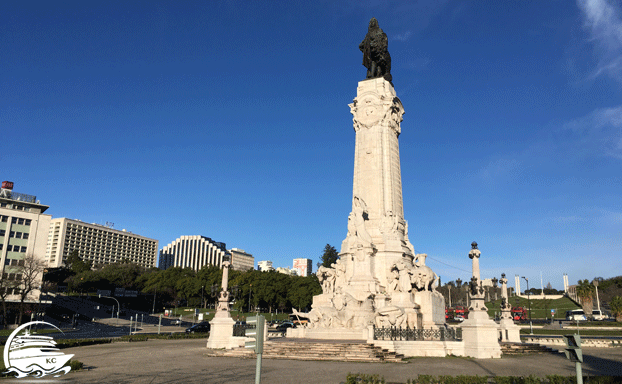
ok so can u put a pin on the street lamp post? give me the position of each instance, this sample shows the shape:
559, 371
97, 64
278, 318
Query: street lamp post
154, 299
118, 306
449, 288
529, 299
595, 284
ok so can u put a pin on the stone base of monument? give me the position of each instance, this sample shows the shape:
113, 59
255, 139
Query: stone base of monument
221, 334
432, 309
508, 331
330, 333
480, 336
422, 348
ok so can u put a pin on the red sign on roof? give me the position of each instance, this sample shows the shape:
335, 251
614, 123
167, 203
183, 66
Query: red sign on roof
7, 184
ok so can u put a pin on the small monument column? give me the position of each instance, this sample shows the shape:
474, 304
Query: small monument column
509, 331
479, 332
221, 326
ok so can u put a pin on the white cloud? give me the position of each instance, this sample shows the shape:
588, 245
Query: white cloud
403, 36
499, 167
603, 19
599, 133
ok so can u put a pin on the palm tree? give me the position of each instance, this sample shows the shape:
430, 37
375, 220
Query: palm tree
585, 293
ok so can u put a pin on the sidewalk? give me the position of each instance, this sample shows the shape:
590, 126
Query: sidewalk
184, 361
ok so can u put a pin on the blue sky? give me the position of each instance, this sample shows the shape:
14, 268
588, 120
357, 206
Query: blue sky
230, 119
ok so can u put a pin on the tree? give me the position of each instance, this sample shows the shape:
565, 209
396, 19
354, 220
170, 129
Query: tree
616, 307
30, 271
6, 288
330, 256
585, 293
76, 264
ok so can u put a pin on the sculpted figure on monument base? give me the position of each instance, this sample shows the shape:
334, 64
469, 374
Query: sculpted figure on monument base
423, 278
390, 316
359, 216
326, 277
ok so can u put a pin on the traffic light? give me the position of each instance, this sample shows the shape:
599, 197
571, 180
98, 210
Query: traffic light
257, 333
573, 348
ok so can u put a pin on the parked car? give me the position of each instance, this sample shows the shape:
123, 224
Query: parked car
599, 315
201, 327
575, 315
283, 326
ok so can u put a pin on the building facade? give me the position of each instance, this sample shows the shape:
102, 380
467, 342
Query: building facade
303, 267
240, 260
265, 266
23, 231
192, 252
97, 243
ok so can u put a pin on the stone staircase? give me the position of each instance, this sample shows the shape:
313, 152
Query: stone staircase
525, 348
317, 350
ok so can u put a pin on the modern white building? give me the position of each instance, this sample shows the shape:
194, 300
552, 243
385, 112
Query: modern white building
192, 252
97, 243
240, 260
287, 271
265, 266
303, 267
23, 231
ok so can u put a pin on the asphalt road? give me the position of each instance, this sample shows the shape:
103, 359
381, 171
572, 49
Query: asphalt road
184, 361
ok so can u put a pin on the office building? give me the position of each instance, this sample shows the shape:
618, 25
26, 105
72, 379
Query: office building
304, 267
98, 244
192, 252
240, 260
23, 231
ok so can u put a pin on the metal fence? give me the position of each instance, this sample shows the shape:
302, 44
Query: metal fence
407, 334
240, 329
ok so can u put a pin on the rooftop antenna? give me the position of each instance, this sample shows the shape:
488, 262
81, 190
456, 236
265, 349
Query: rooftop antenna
109, 224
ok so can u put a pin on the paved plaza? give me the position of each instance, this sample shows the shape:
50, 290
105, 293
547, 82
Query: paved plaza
185, 361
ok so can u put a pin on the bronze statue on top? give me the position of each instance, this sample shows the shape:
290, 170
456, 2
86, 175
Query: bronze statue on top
376, 56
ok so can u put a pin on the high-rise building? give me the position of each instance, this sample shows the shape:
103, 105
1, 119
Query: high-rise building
303, 266
240, 260
97, 243
192, 252
23, 231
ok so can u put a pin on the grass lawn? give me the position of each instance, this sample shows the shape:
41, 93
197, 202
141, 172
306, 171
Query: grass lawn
540, 309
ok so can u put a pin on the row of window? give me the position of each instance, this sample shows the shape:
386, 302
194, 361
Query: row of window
10, 291
18, 235
11, 276
13, 248
14, 262
15, 220
15, 206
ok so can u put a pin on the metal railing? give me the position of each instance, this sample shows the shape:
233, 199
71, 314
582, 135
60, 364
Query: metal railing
240, 329
8, 194
410, 334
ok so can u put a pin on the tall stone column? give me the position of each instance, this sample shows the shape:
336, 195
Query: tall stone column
221, 326
377, 236
479, 333
509, 331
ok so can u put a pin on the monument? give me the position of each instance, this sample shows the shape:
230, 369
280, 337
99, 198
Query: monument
379, 279
479, 332
508, 331
221, 326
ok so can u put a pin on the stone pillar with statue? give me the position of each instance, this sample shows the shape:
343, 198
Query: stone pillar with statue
221, 326
509, 332
479, 332
379, 279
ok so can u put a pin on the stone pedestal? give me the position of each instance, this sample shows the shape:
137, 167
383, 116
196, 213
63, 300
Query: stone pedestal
480, 336
508, 331
221, 334
432, 309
